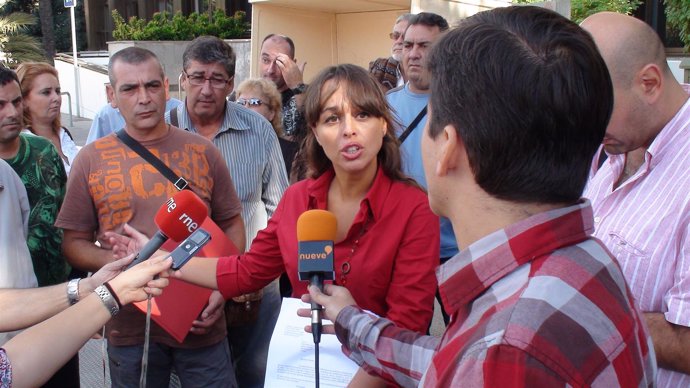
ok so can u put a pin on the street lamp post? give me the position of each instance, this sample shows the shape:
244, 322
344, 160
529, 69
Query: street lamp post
71, 4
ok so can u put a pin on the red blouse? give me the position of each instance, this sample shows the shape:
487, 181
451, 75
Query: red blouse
387, 260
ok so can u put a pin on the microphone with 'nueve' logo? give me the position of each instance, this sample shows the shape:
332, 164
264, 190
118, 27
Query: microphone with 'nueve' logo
316, 230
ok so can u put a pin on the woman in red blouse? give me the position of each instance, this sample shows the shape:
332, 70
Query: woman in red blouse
387, 242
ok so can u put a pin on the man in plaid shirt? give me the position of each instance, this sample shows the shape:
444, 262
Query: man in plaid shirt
520, 101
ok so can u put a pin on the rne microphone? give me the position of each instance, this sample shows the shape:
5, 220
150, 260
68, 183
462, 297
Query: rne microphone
181, 215
316, 230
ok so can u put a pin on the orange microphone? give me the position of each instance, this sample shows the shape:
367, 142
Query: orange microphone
316, 230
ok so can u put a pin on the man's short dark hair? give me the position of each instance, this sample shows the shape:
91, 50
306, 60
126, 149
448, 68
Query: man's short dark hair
207, 50
284, 38
133, 56
7, 75
530, 97
429, 19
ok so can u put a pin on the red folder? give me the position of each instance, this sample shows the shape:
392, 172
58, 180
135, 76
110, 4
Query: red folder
181, 302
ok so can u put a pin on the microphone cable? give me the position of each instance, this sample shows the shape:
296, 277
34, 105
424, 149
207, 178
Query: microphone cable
316, 325
316, 365
145, 355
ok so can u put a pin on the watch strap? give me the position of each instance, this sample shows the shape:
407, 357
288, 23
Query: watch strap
73, 291
108, 300
299, 89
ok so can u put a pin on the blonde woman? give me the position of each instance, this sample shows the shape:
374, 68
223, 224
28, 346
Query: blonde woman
262, 96
42, 101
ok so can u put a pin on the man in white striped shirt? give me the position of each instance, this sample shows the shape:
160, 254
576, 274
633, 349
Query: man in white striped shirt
251, 150
640, 194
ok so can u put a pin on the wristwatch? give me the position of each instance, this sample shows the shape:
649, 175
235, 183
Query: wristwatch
299, 89
107, 299
73, 291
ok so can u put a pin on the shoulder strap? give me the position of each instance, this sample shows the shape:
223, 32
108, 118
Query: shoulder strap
68, 133
412, 125
173, 117
179, 182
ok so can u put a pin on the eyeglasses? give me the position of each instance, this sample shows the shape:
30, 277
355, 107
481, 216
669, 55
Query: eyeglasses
200, 80
249, 101
395, 35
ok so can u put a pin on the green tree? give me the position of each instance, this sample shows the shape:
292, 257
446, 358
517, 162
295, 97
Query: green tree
580, 9
678, 18
45, 14
59, 21
163, 26
15, 45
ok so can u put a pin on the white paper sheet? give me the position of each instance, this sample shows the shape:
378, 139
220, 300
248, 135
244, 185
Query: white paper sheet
291, 354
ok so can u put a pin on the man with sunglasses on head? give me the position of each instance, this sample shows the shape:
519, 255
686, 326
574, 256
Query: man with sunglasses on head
389, 71
251, 150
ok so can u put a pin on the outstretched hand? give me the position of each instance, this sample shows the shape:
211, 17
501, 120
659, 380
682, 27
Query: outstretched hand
137, 283
333, 299
106, 273
130, 242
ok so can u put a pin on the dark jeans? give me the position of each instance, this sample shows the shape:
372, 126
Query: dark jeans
249, 343
209, 367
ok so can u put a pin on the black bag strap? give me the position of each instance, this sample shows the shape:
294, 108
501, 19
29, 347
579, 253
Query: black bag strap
412, 125
179, 182
68, 133
173, 117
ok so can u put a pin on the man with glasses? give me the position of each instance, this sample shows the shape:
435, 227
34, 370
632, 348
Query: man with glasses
252, 152
388, 71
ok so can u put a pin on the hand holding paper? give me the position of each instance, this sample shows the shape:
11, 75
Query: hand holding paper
212, 312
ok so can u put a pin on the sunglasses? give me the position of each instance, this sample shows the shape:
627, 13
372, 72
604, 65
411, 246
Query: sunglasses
395, 35
249, 101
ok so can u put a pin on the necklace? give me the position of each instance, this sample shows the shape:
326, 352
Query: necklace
346, 267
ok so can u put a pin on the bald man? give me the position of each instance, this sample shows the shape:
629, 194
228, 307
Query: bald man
640, 193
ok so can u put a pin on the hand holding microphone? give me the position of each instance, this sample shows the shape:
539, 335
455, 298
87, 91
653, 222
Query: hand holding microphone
316, 230
176, 219
332, 298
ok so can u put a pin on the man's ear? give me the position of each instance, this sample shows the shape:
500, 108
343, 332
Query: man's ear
183, 82
450, 150
111, 95
650, 82
231, 85
166, 85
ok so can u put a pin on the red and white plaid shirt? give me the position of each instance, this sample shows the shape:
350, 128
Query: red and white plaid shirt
538, 304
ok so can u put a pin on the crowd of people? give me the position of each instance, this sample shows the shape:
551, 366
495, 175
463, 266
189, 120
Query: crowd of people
527, 172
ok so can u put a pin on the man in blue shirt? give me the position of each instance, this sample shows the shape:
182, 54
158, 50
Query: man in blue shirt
409, 106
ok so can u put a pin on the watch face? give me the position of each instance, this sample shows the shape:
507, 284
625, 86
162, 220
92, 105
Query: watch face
299, 89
